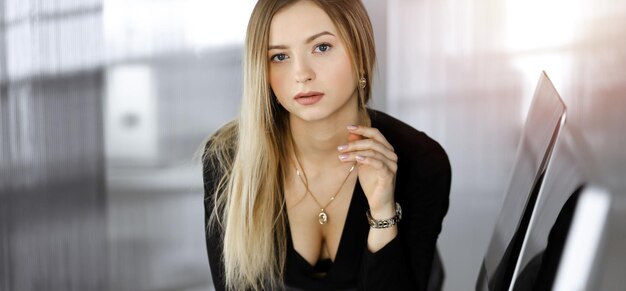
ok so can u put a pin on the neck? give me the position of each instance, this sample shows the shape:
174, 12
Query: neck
316, 142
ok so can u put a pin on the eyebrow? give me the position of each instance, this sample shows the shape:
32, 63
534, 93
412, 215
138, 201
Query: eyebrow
308, 40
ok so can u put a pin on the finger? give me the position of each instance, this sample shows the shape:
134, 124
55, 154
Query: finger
370, 132
376, 164
368, 144
355, 156
353, 137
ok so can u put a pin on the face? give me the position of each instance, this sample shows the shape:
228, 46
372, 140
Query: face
310, 69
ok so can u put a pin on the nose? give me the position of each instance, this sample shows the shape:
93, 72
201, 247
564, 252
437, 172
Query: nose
303, 72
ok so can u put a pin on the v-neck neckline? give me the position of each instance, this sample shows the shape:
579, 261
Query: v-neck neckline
356, 231
344, 233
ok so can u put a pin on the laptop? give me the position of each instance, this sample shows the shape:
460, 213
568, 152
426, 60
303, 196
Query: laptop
565, 179
544, 122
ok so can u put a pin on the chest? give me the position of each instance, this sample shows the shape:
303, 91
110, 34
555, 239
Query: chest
317, 216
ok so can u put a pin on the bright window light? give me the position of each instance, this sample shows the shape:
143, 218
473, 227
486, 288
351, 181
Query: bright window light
538, 33
148, 27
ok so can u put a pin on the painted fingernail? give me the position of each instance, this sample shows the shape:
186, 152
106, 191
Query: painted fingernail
342, 147
352, 127
343, 156
360, 158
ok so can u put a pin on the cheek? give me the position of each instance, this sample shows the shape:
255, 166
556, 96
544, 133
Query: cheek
342, 75
277, 83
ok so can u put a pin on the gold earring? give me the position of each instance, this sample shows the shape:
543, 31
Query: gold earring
362, 83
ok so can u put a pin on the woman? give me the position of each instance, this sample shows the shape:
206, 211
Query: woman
309, 189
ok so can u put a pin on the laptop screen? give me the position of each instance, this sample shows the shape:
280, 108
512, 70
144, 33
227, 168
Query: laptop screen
543, 124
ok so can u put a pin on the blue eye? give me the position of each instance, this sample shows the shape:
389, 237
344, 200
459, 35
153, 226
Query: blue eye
322, 48
277, 58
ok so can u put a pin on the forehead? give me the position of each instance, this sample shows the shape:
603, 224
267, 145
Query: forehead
297, 22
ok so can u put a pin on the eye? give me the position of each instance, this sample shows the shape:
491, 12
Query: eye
322, 48
278, 58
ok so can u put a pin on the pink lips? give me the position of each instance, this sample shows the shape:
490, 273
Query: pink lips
308, 98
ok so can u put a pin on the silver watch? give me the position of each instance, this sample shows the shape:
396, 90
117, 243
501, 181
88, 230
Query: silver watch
385, 223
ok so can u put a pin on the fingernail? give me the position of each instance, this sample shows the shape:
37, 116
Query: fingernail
342, 147
360, 158
352, 127
343, 156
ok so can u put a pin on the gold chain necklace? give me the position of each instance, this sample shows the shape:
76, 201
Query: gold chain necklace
322, 217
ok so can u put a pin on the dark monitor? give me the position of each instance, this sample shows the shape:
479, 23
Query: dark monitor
608, 272
543, 124
593, 258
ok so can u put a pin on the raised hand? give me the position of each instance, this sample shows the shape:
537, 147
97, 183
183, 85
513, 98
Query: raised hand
377, 164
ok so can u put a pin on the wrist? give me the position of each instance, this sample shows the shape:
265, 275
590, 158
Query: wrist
389, 221
383, 211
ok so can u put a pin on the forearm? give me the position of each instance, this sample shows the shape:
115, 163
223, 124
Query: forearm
379, 237
387, 269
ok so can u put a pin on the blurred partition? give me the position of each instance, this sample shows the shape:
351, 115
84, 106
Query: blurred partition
52, 223
52, 191
154, 185
52, 210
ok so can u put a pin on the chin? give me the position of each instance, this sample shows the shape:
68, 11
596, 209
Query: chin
322, 111
311, 115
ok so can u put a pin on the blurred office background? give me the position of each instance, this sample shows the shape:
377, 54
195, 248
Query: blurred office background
104, 104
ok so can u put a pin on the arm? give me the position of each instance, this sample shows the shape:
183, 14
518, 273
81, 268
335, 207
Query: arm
430, 203
211, 176
423, 191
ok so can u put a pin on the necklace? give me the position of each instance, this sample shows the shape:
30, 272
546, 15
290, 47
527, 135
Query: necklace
322, 217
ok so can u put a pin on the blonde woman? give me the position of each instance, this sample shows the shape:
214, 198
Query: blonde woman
309, 189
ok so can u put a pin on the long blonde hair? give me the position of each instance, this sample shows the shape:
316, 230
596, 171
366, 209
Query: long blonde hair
249, 204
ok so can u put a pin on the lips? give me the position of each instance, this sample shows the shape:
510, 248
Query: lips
308, 98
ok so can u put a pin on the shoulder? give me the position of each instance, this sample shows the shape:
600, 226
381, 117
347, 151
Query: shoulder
219, 152
221, 144
409, 143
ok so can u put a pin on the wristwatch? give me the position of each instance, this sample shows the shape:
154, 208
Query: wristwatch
385, 223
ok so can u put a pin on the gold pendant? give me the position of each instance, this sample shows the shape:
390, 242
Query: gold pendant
322, 217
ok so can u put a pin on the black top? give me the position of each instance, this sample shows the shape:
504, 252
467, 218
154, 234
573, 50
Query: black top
422, 189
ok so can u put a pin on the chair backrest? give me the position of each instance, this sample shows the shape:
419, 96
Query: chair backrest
546, 117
